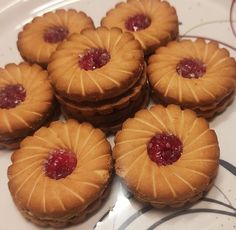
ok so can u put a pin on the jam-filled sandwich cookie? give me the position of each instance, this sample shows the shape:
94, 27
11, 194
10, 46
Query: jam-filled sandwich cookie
166, 156
96, 65
40, 38
193, 74
96, 74
109, 114
152, 22
61, 174
26, 102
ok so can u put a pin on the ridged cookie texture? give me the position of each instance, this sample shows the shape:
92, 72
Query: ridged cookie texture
60, 202
161, 15
37, 107
118, 75
186, 179
210, 92
31, 43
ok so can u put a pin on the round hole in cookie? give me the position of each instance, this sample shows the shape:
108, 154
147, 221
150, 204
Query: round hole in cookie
11, 96
164, 149
55, 34
60, 163
191, 68
137, 22
94, 58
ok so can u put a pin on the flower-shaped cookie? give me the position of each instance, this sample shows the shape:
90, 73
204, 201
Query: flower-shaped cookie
96, 65
166, 156
152, 22
193, 74
59, 173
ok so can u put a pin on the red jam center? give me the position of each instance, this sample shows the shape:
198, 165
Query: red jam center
60, 163
164, 149
137, 22
191, 68
94, 58
11, 96
55, 34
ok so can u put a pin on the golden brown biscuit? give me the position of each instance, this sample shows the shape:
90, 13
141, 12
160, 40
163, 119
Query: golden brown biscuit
166, 156
192, 74
40, 38
26, 102
153, 22
59, 172
96, 65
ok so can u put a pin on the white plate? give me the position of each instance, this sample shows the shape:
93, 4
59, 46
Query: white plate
205, 18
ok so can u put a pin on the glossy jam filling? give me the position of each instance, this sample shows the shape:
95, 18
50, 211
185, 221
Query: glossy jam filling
60, 163
137, 22
55, 34
94, 58
164, 149
11, 96
191, 68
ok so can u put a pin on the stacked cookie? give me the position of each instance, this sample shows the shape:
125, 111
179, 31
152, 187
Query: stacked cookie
193, 74
99, 76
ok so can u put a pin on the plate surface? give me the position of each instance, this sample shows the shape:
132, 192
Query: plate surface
211, 19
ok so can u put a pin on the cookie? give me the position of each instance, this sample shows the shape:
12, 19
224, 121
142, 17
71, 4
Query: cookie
192, 74
153, 22
96, 65
40, 37
26, 102
60, 173
166, 156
